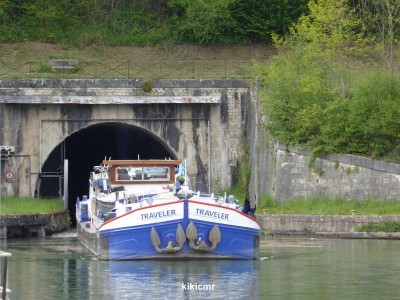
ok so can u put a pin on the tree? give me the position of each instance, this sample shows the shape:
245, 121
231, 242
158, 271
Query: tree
332, 24
203, 21
308, 106
258, 19
306, 82
383, 17
298, 91
375, 114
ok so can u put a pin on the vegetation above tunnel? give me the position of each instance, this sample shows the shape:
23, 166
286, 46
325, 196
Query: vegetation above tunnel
334, 85
139, 22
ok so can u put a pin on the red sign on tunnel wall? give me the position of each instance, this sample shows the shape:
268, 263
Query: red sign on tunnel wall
9, 175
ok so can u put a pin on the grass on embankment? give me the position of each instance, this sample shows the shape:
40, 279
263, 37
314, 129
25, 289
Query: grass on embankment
326, 206
29, 206
320, 206
386, 226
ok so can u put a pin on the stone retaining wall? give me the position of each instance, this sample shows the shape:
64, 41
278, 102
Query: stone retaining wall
334, 175
38, 225
327, 225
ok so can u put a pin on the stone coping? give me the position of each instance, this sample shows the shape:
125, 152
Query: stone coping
22, 225
340, 226
350, 159
29, 219
122, 83
344, 235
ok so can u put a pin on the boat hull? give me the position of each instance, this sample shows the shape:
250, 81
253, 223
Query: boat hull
179, 230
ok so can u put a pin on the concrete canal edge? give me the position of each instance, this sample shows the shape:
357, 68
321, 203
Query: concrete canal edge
340, 226
39, 225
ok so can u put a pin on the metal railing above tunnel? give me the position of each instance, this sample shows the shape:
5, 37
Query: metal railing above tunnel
210, 69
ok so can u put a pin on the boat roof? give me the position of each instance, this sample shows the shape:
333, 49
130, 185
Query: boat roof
140, 162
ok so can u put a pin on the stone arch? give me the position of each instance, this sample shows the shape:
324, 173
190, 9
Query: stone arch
88, 146
181, 138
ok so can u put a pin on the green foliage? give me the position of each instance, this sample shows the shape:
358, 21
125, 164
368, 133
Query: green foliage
237, 190
375, 114
181, 179
327, 206
266, 202
365, 123
8, 29
207, 22
315, 97
148, 86
382, 22
242, 172
27, 206
387, 226
330, 24
87, 22
44, 67
257, 19
204, 21
298, 94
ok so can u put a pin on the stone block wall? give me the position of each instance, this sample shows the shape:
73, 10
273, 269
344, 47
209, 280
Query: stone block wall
37, 225
319, 223
335, 175
37, 115
346, 226
284, 172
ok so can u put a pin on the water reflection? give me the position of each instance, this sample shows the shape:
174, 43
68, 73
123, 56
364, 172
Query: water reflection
182, 279
59, 268
290, 268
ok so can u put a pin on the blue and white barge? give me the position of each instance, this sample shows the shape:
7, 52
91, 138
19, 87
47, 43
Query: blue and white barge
135, 210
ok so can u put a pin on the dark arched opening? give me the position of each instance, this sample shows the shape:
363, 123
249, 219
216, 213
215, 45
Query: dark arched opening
87, 148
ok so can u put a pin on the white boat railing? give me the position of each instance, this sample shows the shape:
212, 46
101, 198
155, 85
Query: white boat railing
4, 280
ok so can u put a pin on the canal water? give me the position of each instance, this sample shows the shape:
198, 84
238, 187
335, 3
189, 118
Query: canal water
57, 267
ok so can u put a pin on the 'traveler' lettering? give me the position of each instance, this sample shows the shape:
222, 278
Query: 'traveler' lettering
159, 214
212, 214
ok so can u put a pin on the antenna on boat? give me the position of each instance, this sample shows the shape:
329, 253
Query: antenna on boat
138, 157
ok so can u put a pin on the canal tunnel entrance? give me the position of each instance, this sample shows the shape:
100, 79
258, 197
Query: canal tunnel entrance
89, 147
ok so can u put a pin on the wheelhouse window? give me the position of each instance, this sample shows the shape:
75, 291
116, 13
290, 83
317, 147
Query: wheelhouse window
142, 174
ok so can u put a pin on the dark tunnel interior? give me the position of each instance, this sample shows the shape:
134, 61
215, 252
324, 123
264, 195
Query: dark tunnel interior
89, 147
